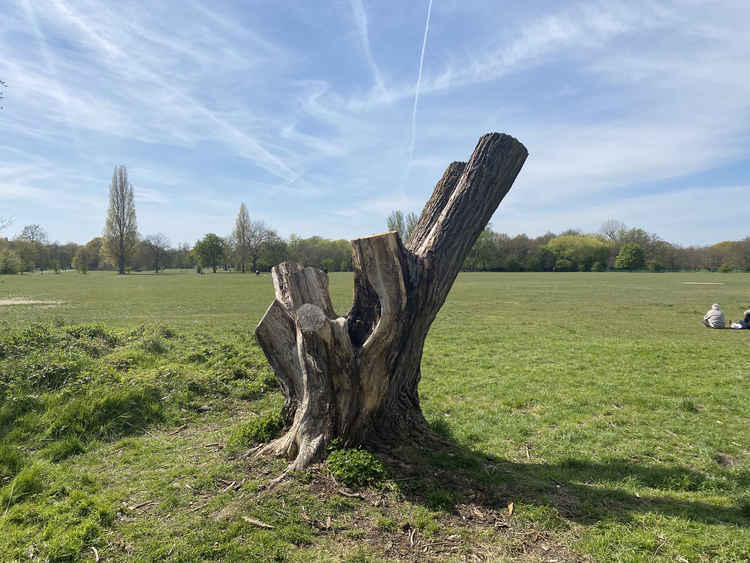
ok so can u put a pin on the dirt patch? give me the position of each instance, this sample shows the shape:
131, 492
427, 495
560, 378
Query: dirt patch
27, 301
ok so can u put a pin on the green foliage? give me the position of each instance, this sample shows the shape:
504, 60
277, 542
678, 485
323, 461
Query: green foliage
582, 251
356, 467
10, 262
564, 265
258, 430
598, 267
630, 257
655, 266
210, 250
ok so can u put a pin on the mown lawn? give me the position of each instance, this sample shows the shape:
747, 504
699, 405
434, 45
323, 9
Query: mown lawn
597, 404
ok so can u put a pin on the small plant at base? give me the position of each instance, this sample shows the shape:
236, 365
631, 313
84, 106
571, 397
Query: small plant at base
355, 467
258, 430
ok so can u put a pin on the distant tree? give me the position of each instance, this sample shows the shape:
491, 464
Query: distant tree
630, 257
581, 251
611, 227
241, 237
33, 251
10, 262
120, 230
403, 224
5, 223
81, 260
157, 247
484, 254
34, 234
210, 251
259, 236
276, 251
95, 250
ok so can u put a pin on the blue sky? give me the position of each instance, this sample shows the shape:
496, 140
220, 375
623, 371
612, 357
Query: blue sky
636, 111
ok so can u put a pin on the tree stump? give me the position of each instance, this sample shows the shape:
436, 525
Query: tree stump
355, 378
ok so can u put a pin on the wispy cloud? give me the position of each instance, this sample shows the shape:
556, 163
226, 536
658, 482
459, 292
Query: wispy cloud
413, 137
360, 19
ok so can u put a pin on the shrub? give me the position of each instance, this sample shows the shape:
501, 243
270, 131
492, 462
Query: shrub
564, 265
355, 467
597, 267
258, 430
10, 263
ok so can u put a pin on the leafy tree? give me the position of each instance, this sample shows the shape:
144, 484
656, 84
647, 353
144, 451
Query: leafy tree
484, 254
210, 251
33, 250
81, 260
120, 230
157, 247
10, 262
581, 250
630, 257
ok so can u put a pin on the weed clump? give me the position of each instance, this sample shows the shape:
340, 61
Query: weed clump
356, 467
258, 430
28, 482
115, 413
11, 462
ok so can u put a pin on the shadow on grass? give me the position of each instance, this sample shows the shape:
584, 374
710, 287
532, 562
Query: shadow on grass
582, 491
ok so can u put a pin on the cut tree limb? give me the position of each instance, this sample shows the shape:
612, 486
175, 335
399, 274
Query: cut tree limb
355, 378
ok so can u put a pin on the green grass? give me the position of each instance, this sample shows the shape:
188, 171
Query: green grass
597, 403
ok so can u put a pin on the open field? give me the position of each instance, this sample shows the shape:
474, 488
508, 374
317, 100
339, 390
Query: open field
616, 424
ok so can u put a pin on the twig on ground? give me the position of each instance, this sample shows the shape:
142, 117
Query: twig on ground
350, 494
258, 523
178, 429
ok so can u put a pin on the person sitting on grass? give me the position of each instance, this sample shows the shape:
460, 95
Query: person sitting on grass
715, 317
744, 323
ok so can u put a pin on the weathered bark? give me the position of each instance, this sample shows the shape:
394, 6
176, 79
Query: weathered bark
355, 378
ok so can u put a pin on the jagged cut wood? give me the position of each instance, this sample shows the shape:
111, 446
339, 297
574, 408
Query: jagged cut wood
355, 378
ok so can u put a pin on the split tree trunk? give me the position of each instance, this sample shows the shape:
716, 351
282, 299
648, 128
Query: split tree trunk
355, 378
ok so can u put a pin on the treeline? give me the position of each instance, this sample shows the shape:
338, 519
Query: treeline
18, 255
621, 249
252, 246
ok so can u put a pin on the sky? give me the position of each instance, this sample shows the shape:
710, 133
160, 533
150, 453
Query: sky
323, 117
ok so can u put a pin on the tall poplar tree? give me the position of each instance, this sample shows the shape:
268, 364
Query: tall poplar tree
120, 230
241, 236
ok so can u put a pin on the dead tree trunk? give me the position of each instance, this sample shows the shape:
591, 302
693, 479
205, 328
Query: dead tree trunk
355, 377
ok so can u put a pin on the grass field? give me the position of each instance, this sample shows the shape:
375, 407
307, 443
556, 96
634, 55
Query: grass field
597, 404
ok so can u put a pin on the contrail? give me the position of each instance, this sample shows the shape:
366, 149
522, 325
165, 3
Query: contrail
419, 83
